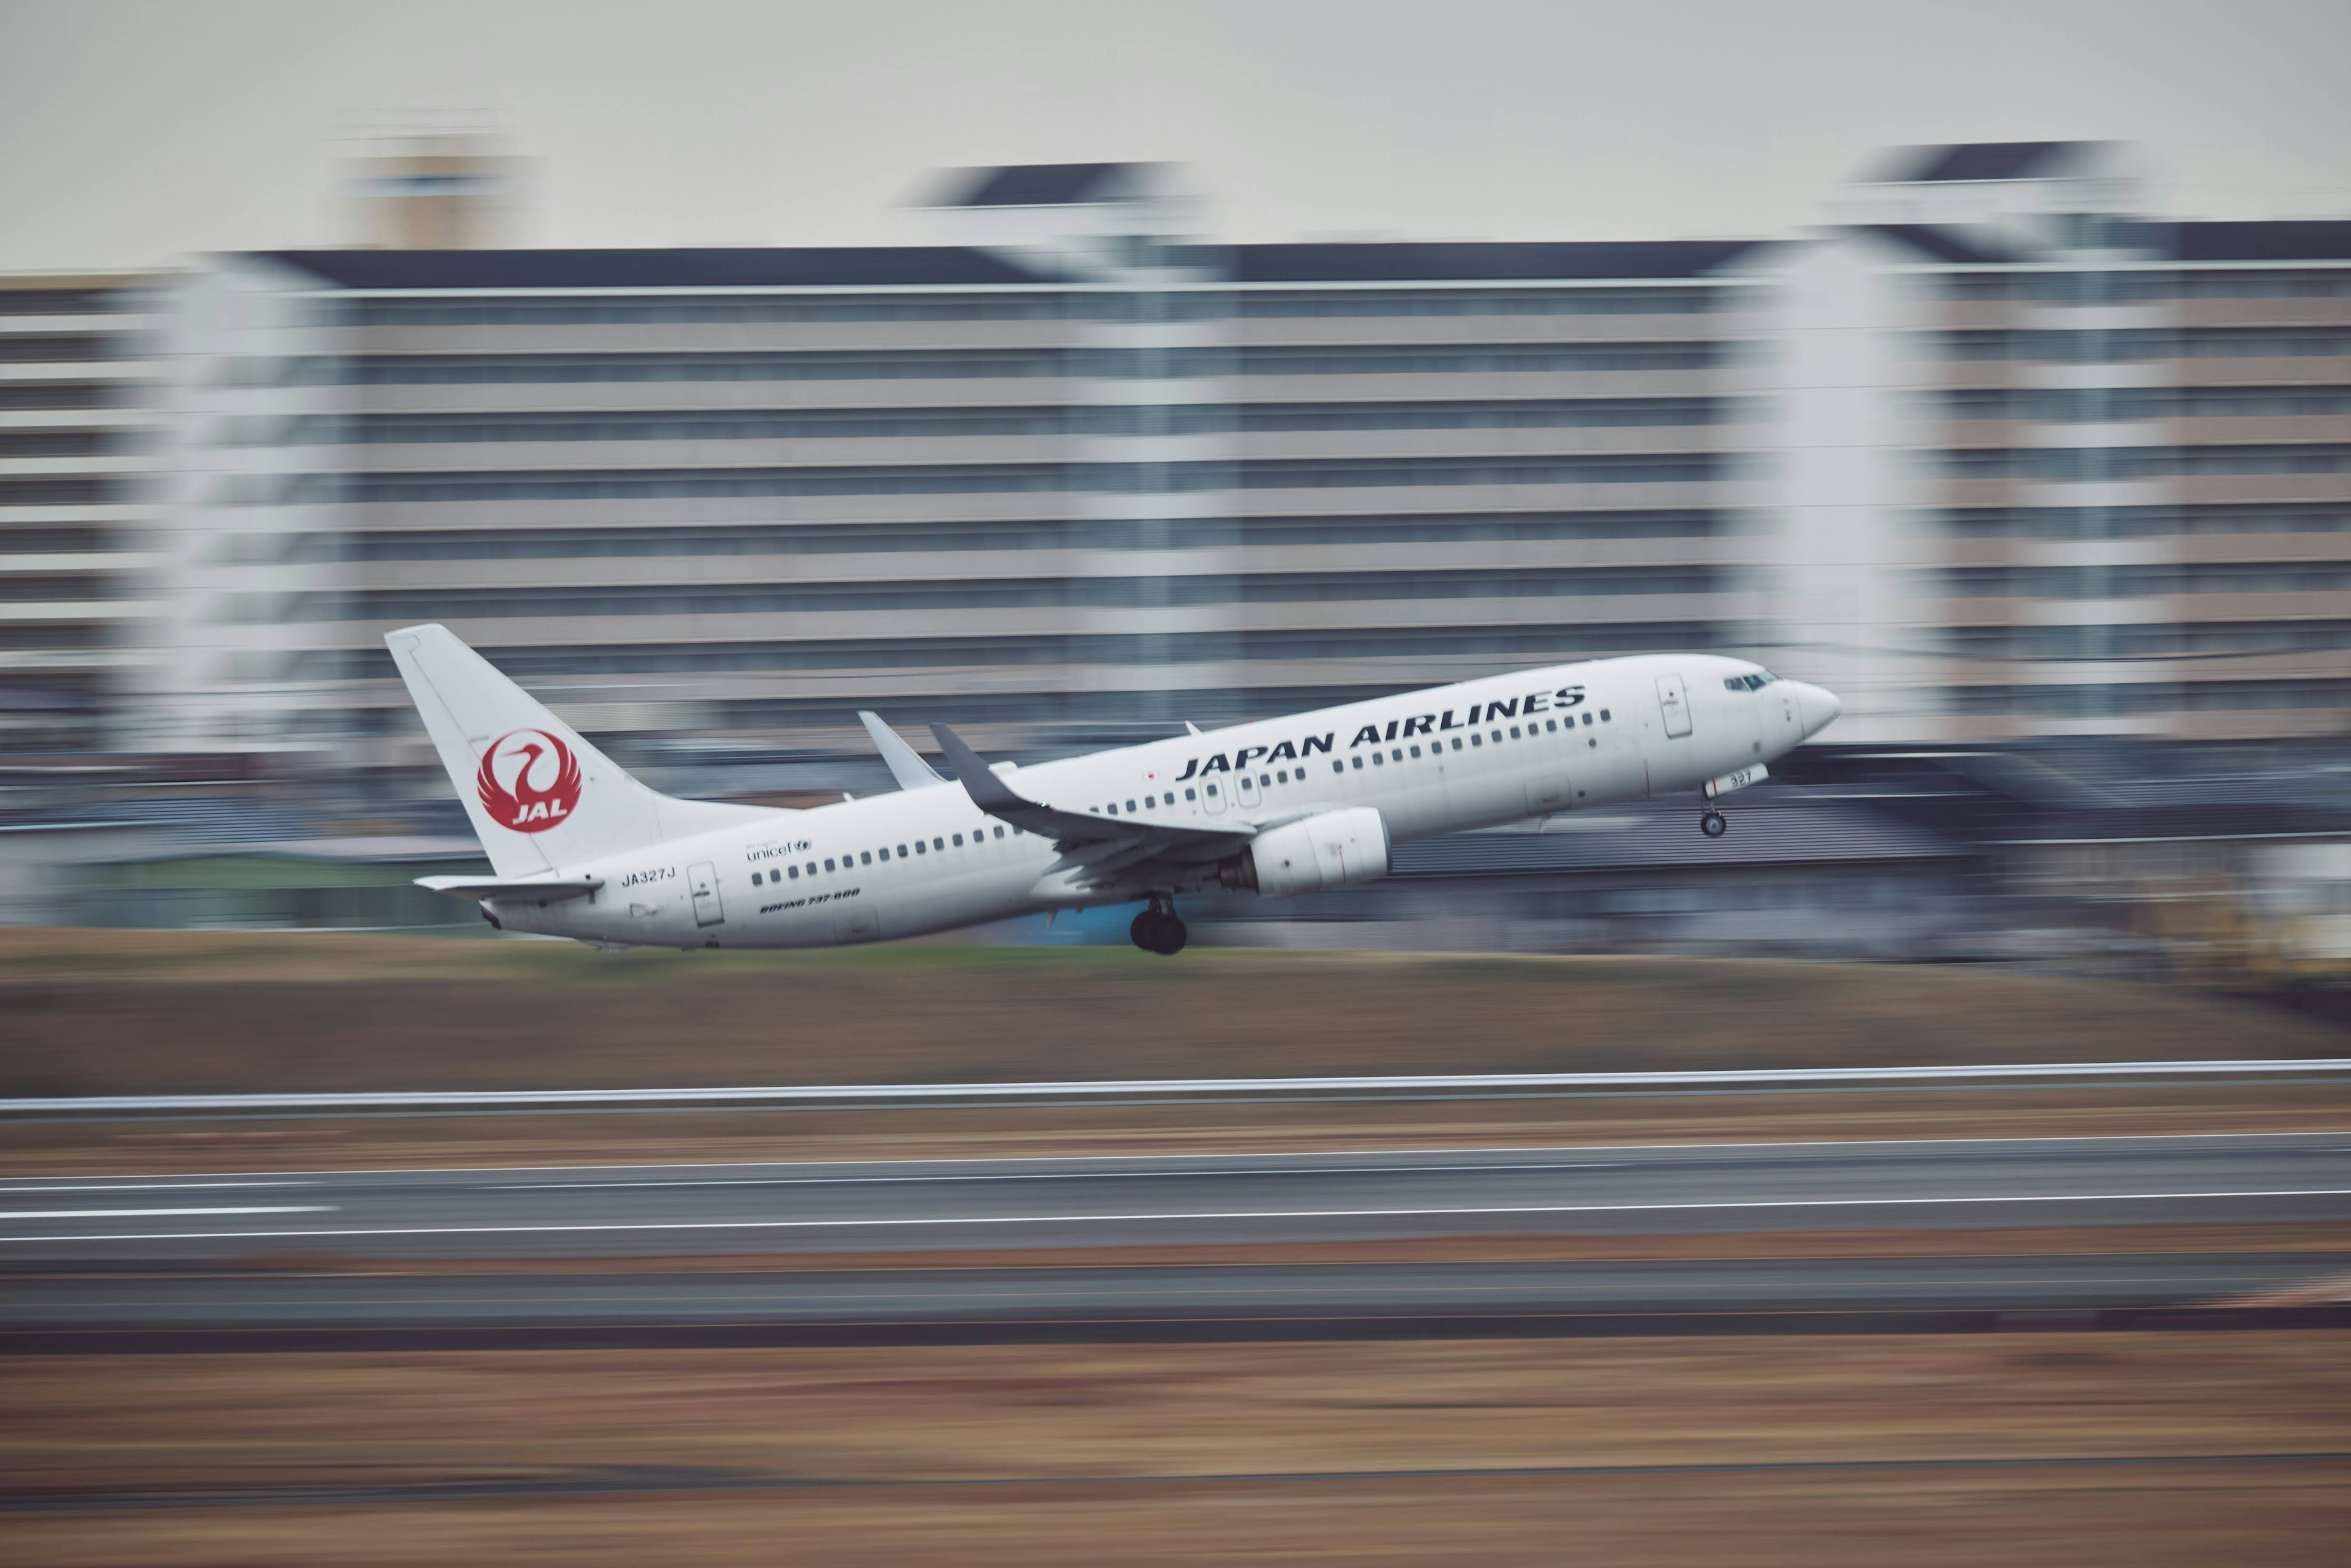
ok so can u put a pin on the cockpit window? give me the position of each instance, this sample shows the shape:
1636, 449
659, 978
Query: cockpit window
1754, 683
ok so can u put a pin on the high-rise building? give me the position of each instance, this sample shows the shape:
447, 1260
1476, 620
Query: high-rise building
76, 416
1993, 453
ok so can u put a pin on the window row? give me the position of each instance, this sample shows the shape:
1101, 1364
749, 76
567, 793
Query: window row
885, 539
1149, 364
2102, 404
998, 478
850, 597
1166, 419
2133, 344
2148, 582
2101, 287
1577, 639
851, 860
2097, 462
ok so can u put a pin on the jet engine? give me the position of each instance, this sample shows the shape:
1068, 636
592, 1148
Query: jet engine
1330, 850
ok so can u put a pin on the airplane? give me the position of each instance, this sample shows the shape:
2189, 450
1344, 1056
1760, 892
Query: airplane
1273, 807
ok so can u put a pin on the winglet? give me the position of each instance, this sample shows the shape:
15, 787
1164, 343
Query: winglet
987, 792
910, 770
1189, 725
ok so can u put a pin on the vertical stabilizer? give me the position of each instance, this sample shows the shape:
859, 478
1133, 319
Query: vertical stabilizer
540, 796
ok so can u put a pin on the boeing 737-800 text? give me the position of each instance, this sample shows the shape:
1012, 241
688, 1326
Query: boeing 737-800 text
1283, 806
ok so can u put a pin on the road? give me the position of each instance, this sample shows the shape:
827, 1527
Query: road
639, 1210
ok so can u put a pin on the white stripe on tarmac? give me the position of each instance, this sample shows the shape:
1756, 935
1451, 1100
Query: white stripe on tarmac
158, 1213
902, 1222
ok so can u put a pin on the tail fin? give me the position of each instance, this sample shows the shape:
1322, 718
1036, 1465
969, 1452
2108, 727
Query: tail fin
540, 797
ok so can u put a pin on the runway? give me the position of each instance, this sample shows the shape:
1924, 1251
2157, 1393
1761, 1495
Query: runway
605, 1212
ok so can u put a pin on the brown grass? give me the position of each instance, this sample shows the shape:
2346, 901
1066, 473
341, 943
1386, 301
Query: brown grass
107, 1012
1338, 1453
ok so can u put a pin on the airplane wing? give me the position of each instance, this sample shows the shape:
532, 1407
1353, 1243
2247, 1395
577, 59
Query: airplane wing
910, 770
1101, 848
549, 889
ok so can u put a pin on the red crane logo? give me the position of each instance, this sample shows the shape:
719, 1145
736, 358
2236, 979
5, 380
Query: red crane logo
528, 780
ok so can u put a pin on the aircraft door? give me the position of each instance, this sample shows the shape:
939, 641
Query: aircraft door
1244, 790
702, 879
1212, 796
1673, 702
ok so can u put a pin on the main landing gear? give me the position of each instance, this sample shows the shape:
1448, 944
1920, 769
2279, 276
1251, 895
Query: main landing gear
1713, 824
1159, 929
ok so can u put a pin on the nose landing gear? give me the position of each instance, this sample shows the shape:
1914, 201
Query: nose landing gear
1713, 824
1159, 929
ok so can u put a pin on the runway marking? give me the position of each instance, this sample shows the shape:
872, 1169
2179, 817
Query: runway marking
156, 1213
907, 1221
1893, 1144
660, 1185
6, 1191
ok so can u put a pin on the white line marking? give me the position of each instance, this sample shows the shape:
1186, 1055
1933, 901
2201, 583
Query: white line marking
658, 1185
1155, 1088
143, 1213
895, 1222
143, 1187
1326, 1155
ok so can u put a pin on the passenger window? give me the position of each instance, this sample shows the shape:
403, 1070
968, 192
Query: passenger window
866, 857
1514, 732
1191, 794
919, 846
1397, 755
959, 840
1498, 738
1377, 760
938, 844
1587, 718
1604, 717
1474, 740
1000, 832
1130, 808
1114, 808
1212, 789
885, 851
1456, 743
754, 879
1358, 762
1415, 751
793, 872
828, 862
1337, 765
1551, 725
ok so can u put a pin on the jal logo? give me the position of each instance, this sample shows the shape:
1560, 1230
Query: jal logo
528, 780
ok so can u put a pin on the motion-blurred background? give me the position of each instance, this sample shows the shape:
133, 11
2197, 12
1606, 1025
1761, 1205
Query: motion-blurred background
1995, 373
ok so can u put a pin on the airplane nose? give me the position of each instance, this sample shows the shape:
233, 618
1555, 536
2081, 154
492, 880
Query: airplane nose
1817, 705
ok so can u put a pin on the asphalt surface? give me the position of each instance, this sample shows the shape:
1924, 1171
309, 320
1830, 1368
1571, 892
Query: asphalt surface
272, 1256
640, 1210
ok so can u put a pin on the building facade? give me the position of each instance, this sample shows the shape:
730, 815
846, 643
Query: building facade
77, 414
1992, 454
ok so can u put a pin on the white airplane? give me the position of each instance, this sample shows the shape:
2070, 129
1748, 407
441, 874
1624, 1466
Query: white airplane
1283, 806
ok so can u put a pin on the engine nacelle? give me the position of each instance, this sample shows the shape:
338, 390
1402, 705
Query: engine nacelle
1332, 849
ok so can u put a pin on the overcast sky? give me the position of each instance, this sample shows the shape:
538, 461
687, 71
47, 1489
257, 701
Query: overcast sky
135, 133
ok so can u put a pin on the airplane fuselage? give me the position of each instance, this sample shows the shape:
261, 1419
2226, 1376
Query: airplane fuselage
1446, 759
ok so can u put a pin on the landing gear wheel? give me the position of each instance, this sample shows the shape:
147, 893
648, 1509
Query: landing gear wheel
1159, 931
1713, 825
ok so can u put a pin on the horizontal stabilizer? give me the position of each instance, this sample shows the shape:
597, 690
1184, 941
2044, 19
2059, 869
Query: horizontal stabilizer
543, 891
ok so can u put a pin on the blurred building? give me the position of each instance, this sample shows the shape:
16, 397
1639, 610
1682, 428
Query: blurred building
1068, 483
1994, 454
78, 396
2047, 465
